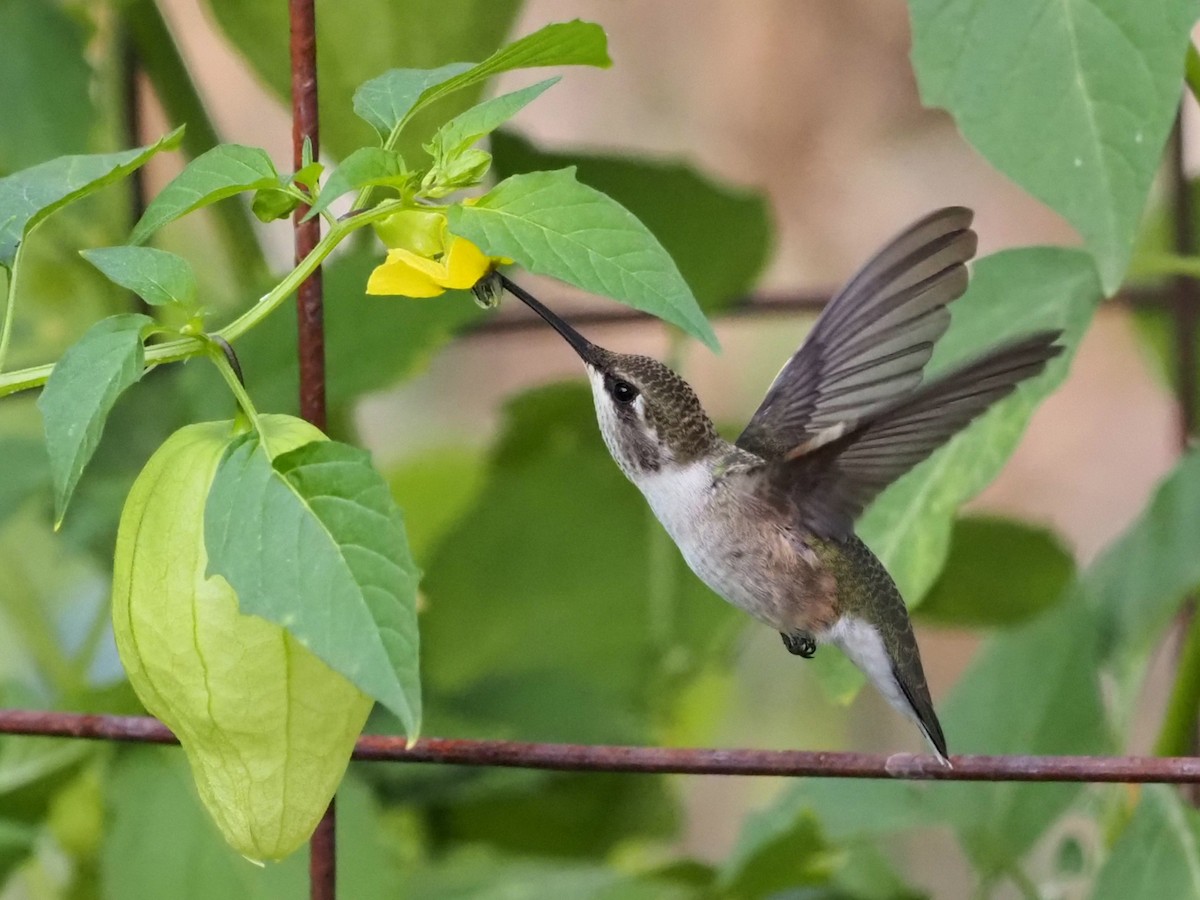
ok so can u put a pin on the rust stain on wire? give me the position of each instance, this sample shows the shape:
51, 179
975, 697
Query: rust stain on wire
672, 760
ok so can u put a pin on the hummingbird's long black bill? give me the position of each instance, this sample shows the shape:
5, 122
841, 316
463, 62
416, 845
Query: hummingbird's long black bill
585, 348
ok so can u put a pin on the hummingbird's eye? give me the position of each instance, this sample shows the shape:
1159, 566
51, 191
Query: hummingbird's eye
623, 392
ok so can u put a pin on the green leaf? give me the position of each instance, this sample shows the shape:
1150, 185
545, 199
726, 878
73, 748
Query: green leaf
418, 34
223, 171
271, 204
1012, 293
16, 843
42, 67
467, 127
29, 196
434, 488
1072, 100
158, 277
386, 101
365, 166
792, 857
25, 473
81, 391
1158, 852
1137, 584
553, 225
818, 831
389, 101
718, 235
1032, 690
315, 543
475, 873
999, 572
576, 629
149, 791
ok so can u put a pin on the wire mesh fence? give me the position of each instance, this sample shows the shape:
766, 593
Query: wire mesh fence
1178, 297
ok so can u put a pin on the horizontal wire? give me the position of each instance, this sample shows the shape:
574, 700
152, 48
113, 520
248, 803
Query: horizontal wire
667, 760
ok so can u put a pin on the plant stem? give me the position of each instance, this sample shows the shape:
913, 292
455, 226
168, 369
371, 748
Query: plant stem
1167, 264
1183, 707
218, 352
184, 348
10, 307
1191, 71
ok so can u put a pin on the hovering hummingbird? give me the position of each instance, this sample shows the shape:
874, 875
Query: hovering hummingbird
767, 522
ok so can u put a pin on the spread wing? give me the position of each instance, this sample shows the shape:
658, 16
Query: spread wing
831, 478
872, 341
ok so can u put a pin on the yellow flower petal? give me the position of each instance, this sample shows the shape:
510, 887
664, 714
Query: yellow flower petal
407, 274
465, 264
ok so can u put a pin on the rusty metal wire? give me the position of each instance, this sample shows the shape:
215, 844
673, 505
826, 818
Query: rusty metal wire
686, 761
310, 312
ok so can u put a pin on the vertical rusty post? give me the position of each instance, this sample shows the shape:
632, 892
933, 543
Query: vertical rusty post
322, 866
1184, 306
1185, 293
309, 305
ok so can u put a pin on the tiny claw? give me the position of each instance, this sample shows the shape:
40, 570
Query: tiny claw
800, 645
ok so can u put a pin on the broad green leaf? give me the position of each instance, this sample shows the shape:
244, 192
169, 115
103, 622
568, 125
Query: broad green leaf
1158, 852
552, 225
819, 830
388, 102
793, 857
999, 572
42, 67
158, 277
29, 196
467, 127
23, 461
577, 631
365, 166
718, 235
149, 792
475, 873
418, 34
1137, 584
315, 542
81, 391
1012, 293
434, 488
1072, 99
223, 171
559, 815
1032, 690
16, 843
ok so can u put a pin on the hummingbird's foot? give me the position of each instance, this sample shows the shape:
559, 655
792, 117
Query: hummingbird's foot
800, 644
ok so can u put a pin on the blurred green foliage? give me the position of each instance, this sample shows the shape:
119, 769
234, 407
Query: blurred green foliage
553, 610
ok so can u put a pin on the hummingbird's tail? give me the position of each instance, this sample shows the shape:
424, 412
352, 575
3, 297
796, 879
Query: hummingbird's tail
877, 636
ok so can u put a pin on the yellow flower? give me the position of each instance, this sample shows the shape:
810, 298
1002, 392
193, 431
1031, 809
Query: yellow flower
424, 260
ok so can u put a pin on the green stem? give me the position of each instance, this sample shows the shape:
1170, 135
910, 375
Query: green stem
184, 348
1183, 708
1167, 264
224, 365
1192, 71
163, 64
10, 307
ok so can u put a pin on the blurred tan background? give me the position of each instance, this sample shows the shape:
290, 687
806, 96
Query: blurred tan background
814, 104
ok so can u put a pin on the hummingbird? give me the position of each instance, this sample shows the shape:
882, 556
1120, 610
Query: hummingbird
767, 522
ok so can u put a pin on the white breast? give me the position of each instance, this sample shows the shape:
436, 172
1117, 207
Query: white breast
678, 495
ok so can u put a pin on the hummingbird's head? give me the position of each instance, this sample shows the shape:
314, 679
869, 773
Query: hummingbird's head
650, 417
